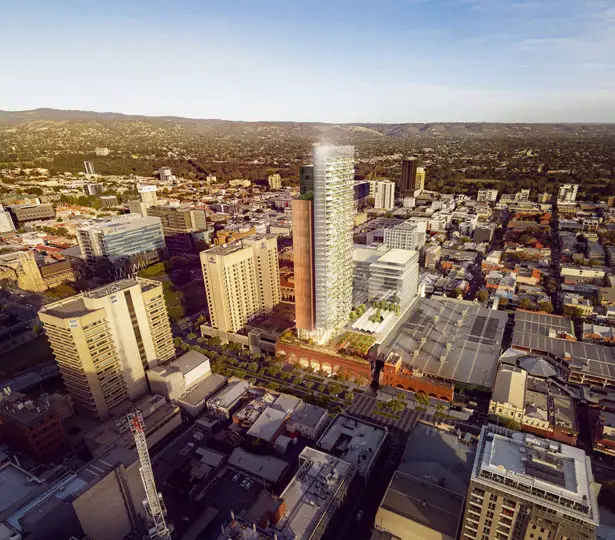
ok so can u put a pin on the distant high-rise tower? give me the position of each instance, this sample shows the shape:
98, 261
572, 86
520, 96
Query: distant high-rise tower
148, 194
306, 179
323, 244
93, 189
274, 181
89, 167
567, 193
165, 174
408, 182
420, 178
383, 192
104, 339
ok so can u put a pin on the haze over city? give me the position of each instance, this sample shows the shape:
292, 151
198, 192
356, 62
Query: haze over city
307, 270
332, 61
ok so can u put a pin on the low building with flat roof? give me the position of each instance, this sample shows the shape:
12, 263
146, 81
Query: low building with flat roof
426, 495
603, 434
194, 401
269, 425
356, 441
307, 420
225, 402
15, 484
31, 426
160, 416
187, 381
313, 495
261, 467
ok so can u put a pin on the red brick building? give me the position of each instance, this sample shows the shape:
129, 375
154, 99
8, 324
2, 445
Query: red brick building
32, 427
393, 373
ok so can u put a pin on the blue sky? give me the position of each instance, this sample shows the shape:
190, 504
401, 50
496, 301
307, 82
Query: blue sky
333, 61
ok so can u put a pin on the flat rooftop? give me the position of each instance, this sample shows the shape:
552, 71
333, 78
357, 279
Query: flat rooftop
15, 484
116, 431
259, 466
120, 223
558, 475
77, 306
203, 389
451, 339
435, 456
230, 394
310, 493
353, 440
535, 331
397, 256
427, 506
184, 364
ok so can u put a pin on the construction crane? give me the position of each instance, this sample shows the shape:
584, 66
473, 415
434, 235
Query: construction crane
153, 503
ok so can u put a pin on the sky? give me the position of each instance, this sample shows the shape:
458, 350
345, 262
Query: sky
314, 60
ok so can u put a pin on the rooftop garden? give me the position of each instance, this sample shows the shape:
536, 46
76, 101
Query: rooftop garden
354, 343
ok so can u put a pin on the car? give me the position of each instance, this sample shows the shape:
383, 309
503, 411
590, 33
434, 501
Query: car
190, 445
235, 478
244, 482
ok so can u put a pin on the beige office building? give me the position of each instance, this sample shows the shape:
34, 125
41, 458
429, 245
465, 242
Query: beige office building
274, 181
530, 488
105, 339
242, 281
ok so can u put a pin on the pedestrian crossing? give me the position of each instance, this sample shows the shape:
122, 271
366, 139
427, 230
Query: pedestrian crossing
365, 407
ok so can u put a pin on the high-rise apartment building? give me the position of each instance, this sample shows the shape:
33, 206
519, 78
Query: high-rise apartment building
487, 195
361, 191
306, 179
120, 237
527, 487
148, 194
93, 189
406, 235
567, 193
178, 222
89, 167
242, 280
323, 223
274, 181
407, 184
303, 253
104, 339
165, 174
420, 178
383, 192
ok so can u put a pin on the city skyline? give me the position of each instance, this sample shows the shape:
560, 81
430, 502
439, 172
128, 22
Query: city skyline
413, 61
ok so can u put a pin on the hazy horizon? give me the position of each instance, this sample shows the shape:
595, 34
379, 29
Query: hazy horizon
291, 121
395, 61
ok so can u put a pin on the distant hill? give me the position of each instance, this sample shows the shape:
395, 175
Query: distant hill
311, 129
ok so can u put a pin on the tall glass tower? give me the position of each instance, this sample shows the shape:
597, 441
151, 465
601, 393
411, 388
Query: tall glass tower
331, 258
